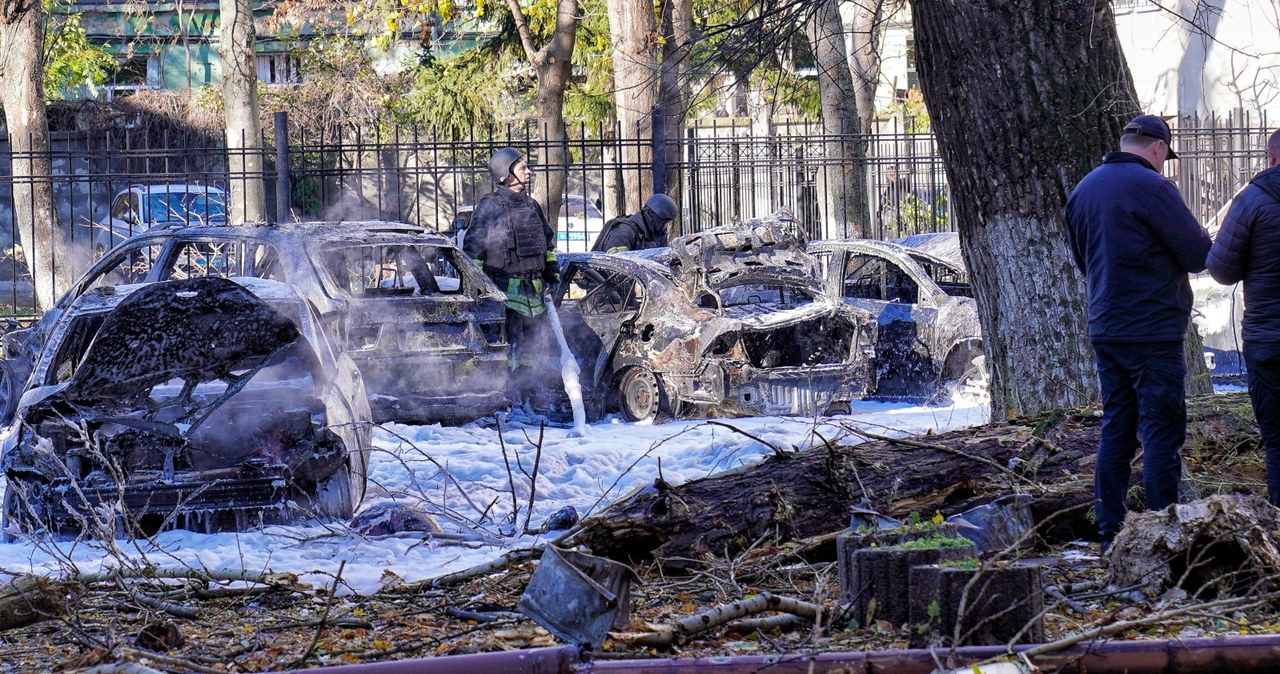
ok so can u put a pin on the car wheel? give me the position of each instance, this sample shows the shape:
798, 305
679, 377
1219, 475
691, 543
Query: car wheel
640, 397
334, 498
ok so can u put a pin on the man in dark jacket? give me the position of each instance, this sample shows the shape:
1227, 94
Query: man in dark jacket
646, 229
1136, 241
1248, 249
509, 237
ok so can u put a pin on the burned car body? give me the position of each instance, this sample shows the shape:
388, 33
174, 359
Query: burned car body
919, 291
422, 322
727, 321
200, 404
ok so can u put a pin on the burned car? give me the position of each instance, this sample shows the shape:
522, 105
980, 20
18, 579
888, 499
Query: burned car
199, 404
928, 334
422, 322
728, 321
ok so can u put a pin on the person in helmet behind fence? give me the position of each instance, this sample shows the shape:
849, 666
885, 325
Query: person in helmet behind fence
646, 229
510, 238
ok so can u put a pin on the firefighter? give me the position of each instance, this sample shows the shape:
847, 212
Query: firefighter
509, 237
646, 229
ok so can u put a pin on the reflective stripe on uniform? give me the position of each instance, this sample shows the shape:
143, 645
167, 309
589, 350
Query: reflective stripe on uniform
519, 300
618, 249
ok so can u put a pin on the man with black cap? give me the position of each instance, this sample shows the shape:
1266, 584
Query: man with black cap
646, 229
1135, 240
1248, 249
510, 238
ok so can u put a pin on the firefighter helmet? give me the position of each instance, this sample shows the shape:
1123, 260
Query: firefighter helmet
662, 206
502, 161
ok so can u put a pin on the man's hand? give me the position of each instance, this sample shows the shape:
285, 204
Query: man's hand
551, 274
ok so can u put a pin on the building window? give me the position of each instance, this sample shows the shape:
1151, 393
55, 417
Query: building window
140, 71
279, 68
913, 80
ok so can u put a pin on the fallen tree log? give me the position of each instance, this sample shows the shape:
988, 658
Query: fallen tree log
805, 494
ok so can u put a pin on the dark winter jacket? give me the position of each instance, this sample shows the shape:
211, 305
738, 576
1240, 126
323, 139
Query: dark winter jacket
510, 238
632, 232
1136, 241
1248, 249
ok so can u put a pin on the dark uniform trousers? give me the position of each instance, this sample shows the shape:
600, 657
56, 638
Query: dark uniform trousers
1143, 402
1262, 359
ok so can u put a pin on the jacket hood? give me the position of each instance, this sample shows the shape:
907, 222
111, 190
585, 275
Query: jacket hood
1269, 182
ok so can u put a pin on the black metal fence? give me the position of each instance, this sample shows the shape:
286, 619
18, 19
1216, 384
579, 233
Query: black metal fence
720, 171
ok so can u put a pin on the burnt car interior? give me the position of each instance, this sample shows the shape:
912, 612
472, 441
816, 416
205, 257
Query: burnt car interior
221, 427
874, 278
381, 270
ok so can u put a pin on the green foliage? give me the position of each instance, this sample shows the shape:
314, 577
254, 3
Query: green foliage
70, 59
915, 117
789, 90
936, 541
451, 96
917, 215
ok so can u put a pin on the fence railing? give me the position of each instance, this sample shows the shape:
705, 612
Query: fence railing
718, 172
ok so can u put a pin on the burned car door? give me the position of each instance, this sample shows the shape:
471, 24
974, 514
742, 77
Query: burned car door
598, 307
905, 309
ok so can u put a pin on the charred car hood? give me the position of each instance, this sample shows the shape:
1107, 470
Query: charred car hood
768, 250
147, 339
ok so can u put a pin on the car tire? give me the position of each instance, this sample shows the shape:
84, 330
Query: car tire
640, 395
334, 498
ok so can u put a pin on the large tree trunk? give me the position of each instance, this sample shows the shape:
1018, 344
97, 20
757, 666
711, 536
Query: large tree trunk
240, 109
635, 87
842, 180
1024, 97
552, 63
801, 495
673, 94
864, 18
22, 95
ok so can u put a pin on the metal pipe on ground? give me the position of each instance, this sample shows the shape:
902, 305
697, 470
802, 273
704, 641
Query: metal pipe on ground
1238, 655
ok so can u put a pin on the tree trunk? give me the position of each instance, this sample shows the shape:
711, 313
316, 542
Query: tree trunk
22, 95
552, 63
240, 109
1024, 97
864, 18
842, 179
801, 495
635, 88
673, 94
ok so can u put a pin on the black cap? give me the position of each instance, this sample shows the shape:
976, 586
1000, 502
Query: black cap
1151, 127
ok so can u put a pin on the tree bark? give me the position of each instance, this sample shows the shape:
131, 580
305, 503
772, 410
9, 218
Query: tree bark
240, 110
864, 18
842, 180
636, 78
22, 95
1024, 97
552, 62
801, 495
674, 95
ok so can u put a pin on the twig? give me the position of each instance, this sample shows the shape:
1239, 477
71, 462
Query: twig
1056, 592
349, 623
121, 668
720, 615
467, 574
169, 661
483, 616
511, 479
776, 450
533, 480
172, 608
324, 618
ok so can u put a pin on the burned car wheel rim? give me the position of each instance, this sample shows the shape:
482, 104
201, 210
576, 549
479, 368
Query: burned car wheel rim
639, 394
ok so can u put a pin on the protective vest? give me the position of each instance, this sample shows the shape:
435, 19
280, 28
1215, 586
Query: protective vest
516, 241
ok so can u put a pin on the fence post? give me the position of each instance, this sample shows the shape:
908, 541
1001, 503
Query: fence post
657, 140
283, 189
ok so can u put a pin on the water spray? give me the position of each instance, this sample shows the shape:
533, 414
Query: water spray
569, 372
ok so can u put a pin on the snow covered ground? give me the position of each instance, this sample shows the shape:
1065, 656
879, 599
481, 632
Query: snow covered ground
460, 473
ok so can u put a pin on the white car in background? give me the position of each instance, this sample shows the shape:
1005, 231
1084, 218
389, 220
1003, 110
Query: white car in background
579, 224
138, 208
